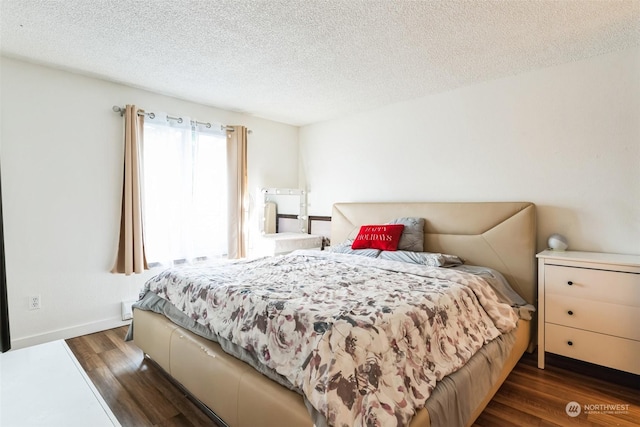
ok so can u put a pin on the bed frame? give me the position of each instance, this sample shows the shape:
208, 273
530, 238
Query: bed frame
500, 235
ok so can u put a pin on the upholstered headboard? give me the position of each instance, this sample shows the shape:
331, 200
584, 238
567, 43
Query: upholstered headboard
500, 235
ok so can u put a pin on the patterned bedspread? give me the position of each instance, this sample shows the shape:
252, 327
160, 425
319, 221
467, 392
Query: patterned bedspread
364, 339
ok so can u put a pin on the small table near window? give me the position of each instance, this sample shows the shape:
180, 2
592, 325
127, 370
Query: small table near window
283, 243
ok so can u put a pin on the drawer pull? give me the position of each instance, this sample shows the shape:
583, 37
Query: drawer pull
570, 313
569, 283
570, 342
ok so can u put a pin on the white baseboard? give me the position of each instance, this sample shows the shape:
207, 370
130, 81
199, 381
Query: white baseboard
66, 333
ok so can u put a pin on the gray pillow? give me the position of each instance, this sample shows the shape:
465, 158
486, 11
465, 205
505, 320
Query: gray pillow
345, 248
412, 238
424, 258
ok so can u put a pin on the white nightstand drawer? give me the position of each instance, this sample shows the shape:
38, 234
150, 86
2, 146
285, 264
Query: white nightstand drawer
614, 352
609, 286
607, 318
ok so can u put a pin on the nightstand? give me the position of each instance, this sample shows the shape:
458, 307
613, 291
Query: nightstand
589, 308
283, 243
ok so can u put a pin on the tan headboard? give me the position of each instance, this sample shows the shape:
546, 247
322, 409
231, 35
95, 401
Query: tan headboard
500, 235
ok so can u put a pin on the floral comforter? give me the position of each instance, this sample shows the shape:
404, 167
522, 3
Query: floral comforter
365, 340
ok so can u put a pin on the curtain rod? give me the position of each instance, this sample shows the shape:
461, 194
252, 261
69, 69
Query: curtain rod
121, 110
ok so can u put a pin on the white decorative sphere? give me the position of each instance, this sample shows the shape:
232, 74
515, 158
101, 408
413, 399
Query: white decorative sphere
558, 242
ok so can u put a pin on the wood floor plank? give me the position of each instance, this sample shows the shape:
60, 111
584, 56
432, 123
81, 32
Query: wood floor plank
498, 413
99, 342
178, 421
122, 403
140, 394
154, 405
87, 357
117, 336
544, 395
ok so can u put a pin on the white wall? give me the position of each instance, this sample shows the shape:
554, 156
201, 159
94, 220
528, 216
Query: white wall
62, 156
566, 138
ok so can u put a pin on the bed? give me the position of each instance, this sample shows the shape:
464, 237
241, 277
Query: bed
499, 236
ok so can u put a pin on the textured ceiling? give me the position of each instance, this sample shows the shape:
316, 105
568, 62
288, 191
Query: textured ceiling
301, 62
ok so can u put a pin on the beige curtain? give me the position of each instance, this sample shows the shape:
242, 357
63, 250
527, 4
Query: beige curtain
131, 258
237, 181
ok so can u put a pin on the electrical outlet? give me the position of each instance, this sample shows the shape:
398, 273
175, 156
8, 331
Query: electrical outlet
34, 302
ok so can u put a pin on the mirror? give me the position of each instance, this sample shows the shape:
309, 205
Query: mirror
284, 211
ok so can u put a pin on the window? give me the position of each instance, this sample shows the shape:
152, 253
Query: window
185, 191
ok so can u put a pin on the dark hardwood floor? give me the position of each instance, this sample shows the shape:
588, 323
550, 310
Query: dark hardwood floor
139, 394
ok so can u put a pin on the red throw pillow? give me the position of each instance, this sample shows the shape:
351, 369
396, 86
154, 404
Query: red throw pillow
384, 237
